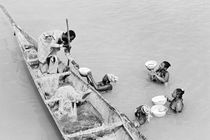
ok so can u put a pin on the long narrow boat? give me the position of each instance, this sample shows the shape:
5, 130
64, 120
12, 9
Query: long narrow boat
96, 118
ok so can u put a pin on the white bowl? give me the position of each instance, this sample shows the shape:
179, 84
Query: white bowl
159, 100
151, 64
159, 110
84, 71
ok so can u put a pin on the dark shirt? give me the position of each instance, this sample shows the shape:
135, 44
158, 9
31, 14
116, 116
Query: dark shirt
177, 105
161, 72
140, 115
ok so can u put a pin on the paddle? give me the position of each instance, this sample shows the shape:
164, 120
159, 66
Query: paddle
69, 45
67, 25
74, 103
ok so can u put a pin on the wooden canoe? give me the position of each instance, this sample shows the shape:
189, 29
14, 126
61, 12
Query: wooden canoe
96, 118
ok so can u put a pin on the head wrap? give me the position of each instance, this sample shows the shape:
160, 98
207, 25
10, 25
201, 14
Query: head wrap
71, 33
167, 64
112, 78
179, 92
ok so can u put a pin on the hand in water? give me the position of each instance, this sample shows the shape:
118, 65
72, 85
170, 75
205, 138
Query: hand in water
168, 100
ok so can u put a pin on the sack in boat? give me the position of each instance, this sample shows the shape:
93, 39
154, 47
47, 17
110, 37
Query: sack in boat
49, 84
31, 54
58, 114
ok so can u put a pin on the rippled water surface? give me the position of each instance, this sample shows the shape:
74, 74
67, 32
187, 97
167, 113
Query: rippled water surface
113, 36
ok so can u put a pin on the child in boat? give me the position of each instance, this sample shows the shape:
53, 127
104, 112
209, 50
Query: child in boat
176, 104
49, 44
161, 74
142, 114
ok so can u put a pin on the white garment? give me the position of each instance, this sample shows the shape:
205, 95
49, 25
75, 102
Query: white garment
45, 44
68, 96
68, 92
53, 66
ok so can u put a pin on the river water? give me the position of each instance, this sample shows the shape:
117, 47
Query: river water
113, 36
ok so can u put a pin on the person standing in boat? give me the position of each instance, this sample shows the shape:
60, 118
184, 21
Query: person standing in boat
161, 74
49, 44
176, 104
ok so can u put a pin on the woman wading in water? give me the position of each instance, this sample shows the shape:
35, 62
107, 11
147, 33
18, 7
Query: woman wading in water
176, 104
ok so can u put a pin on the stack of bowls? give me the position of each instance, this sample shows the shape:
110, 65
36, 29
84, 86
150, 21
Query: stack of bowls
158, 109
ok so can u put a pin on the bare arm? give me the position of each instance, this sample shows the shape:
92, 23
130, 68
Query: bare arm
96, 85
91, 80
55, 45
163, 79
168, 99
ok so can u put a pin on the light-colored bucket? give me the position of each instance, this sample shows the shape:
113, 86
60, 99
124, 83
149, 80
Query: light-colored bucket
159, 110
151, 64
159, 100
84, 71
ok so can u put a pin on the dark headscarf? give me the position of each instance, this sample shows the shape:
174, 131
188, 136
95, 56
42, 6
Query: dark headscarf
105, 80
167, 64
72, 36
179, 92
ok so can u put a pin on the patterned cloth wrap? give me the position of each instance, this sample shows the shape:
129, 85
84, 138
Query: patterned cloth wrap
147, 110
112, 78
67, 97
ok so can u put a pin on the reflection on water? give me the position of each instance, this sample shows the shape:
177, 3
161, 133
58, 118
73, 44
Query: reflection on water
113, 37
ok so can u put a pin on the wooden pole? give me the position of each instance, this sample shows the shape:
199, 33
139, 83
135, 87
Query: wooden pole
68, 34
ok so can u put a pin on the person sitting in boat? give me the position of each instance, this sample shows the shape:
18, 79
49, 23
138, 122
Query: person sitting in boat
104, 85
66, 98
142, 114
49, 44
176, 104
161, 74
